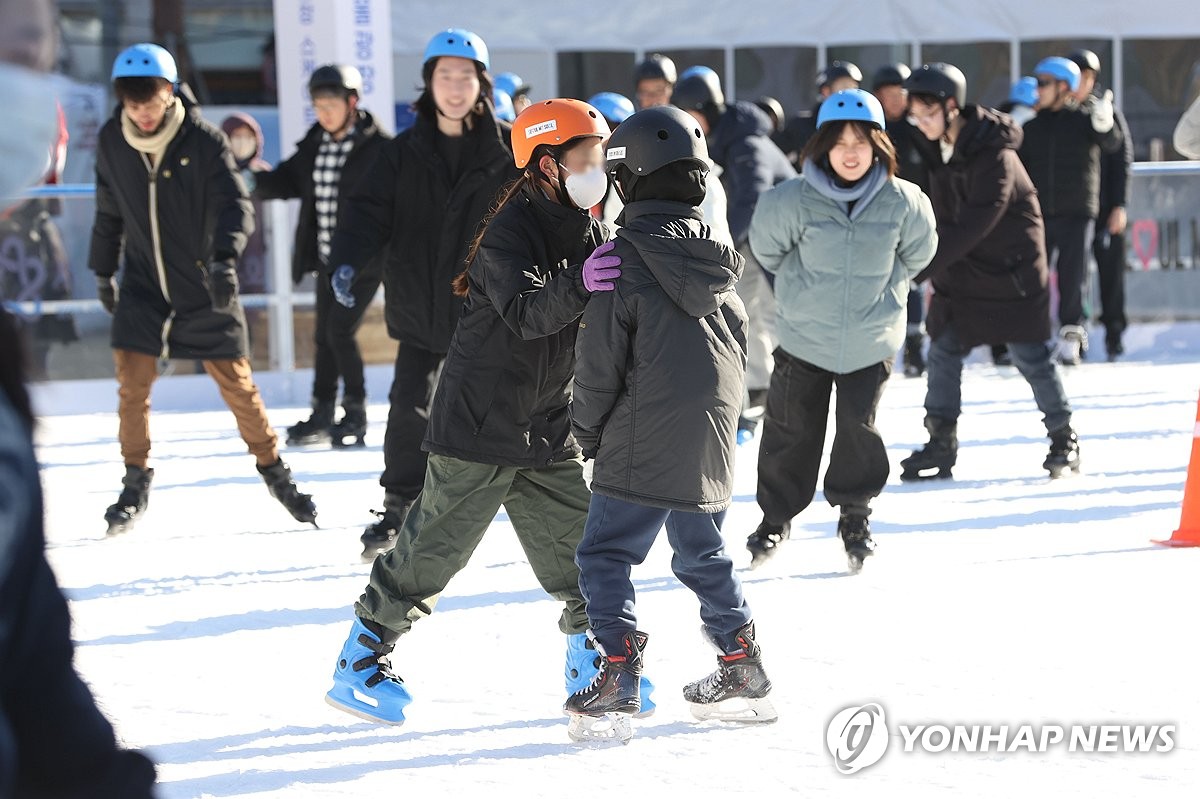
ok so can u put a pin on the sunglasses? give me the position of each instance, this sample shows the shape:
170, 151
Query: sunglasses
1044, 82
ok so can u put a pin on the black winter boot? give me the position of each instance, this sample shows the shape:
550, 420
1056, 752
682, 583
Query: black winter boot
129, 507
315, 428
914, 358
1064, 452
739, 676
352, 425
940, 453
278, 478
855, 531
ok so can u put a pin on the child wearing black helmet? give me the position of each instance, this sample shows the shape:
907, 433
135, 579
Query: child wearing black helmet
659, 378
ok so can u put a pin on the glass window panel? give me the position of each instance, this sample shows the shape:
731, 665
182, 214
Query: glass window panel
986, 65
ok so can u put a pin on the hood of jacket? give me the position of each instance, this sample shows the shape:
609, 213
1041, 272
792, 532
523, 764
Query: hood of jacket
236, 120
741, 119
985, 129
697, 273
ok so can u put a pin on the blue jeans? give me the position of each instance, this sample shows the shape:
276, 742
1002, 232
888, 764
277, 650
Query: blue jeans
619, 535
943, 396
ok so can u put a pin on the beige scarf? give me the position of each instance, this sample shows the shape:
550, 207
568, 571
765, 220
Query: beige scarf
154, 144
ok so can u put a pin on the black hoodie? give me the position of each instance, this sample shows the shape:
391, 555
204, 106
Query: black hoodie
660, 365
989, 273
751, 163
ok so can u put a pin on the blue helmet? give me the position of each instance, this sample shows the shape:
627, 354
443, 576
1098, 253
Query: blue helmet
1059, 68
145, 61
512, 83
504, 105
460, 44
616, 108
1024, 92
852, 105
699, 69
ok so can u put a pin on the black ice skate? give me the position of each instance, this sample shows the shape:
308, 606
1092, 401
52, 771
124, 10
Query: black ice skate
380, 537
855, 531
937, 458
738, 689
314, 429
129, 507
278, 478
351, 429
602, 710
914, 358
765, 540
1064, 453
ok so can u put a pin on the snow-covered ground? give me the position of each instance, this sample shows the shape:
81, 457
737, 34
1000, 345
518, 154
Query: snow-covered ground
209, 633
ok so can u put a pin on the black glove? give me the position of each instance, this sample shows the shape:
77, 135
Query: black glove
106, 289
222, 284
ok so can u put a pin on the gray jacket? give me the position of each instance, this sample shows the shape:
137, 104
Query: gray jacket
841, 283
660, 365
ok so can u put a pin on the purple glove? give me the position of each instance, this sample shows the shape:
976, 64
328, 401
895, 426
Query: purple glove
600, 271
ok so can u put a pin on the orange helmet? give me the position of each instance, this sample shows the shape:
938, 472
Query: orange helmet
554, 122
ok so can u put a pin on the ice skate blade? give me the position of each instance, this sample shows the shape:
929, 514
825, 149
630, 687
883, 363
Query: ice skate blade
605, 728
356, 709
760, 556
308, 441
1058, 472
943, 473
738, 710
854, 562
118, 529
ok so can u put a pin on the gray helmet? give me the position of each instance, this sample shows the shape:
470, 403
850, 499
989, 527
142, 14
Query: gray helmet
700, 91
655, 137
656, 66
838, 69
890, 75
940, 80
335, 77
1086, 59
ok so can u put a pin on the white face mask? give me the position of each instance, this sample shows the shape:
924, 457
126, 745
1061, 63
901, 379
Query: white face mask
29, 131
244, 146
586, 188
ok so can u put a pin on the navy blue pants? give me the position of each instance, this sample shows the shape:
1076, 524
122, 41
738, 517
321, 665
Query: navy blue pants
619, 535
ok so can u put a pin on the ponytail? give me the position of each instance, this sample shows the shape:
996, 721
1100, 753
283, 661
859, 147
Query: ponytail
459, 284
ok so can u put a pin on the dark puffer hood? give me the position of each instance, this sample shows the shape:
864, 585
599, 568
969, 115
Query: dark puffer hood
697, 273
985, 129
741, 119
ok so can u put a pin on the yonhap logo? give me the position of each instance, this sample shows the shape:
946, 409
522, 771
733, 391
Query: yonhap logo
857, 737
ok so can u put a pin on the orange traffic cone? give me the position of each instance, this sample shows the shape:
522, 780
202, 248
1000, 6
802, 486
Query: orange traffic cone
1188, 534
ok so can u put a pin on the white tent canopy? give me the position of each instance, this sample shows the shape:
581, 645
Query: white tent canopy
638, 25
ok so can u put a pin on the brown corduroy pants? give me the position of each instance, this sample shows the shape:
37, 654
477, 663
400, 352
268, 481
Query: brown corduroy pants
136, 373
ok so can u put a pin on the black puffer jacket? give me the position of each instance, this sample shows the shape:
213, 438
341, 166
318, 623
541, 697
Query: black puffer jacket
294, 178
505, 386
1061, 152
909, 163
201, 213
750, 161
46, 710
989, 273
660, 365
408, 205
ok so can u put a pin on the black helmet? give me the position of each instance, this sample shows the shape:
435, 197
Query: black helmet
838, 69
656, 66
940, 80
773, 109
335, 77
1086, 59
699, 92
655, 137
890, 75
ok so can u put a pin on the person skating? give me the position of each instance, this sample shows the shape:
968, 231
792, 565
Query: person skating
1061, 151
659, 378
989, 275
419, 205
843, 240
334, 155
169, 197
499, 430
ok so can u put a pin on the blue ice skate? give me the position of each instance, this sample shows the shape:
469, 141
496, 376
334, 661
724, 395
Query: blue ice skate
363, 682
583, 663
